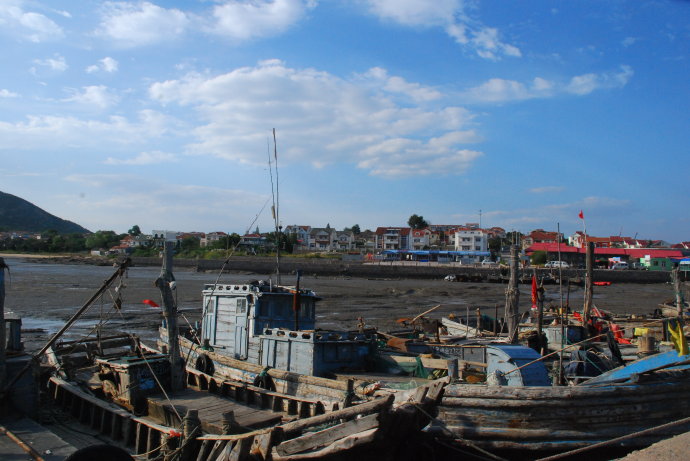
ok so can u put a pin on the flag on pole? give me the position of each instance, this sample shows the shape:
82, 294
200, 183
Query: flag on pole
581, 215
150, 303
534, 292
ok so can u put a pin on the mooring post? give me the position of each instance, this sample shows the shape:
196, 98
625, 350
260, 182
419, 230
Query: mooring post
191, 429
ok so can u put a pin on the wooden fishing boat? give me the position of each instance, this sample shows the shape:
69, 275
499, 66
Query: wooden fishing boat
146, 402
557, 419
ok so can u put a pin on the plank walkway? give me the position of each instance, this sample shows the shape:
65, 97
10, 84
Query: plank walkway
48, 445
211, 408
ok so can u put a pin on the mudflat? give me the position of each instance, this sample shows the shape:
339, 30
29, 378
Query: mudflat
46, 294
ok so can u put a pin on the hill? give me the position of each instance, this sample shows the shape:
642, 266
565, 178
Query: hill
18, 214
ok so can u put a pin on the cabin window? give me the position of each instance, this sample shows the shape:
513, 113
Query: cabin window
307, 309
241, 306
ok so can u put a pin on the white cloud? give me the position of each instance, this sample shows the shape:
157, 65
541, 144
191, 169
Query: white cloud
498, 90
453, 17
585, 84
7, 94
242, 20
398, 85
57, 64
27, 25
546, 189
416, 12
330, 120
629, 41
96, 95
142, 23
156, 204
106, 64
144, 158
41, 132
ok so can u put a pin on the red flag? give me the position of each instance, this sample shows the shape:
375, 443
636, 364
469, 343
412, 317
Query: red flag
534, 291
150, 303
581, 215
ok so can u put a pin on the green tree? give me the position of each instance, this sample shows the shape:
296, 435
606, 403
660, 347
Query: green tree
538, 257
102, 239
356, 230
495, 244
417, 222
134, 231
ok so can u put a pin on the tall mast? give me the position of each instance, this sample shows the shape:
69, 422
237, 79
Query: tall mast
513, 296
3, 341
276, 202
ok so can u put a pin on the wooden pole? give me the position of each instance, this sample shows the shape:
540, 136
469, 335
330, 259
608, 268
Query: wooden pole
589, 268
513, 296
426, 312
540, 313
675, 276
165, 282
296, 301
3, 340
561, 309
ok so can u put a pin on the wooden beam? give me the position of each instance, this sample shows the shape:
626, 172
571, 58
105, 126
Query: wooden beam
314, 440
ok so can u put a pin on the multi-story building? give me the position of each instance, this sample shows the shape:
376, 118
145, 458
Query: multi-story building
468, 239
393, 238
420, 239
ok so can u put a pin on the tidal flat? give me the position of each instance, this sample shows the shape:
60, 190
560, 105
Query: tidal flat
46, 295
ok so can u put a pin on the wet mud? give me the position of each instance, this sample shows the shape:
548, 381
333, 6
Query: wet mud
46, 295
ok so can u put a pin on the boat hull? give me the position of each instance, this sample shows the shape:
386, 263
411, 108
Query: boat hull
561, 418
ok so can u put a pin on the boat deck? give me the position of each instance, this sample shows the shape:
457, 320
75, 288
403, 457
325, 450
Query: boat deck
210, 408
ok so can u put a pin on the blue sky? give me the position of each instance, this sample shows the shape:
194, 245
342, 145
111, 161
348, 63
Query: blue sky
160, 113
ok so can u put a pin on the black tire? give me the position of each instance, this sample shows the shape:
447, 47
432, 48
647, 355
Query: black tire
100, 453
204, 364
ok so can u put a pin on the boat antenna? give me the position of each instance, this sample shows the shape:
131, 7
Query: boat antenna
276, 200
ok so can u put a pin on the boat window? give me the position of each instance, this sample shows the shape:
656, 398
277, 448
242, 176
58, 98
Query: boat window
307, 309
241, 306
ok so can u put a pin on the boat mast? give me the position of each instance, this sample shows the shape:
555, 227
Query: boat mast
513, 296
3, 341
276, 202
589, 294
165, 283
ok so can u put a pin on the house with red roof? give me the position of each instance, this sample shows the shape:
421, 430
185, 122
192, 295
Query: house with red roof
540, 236
420, 239
393, 238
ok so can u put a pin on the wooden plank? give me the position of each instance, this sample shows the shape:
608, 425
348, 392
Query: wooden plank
374, 406
314, 440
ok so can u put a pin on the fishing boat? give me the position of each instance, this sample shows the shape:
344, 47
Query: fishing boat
547, 420
144, 401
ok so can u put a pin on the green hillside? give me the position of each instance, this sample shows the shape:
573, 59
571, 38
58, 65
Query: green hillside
18, 214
